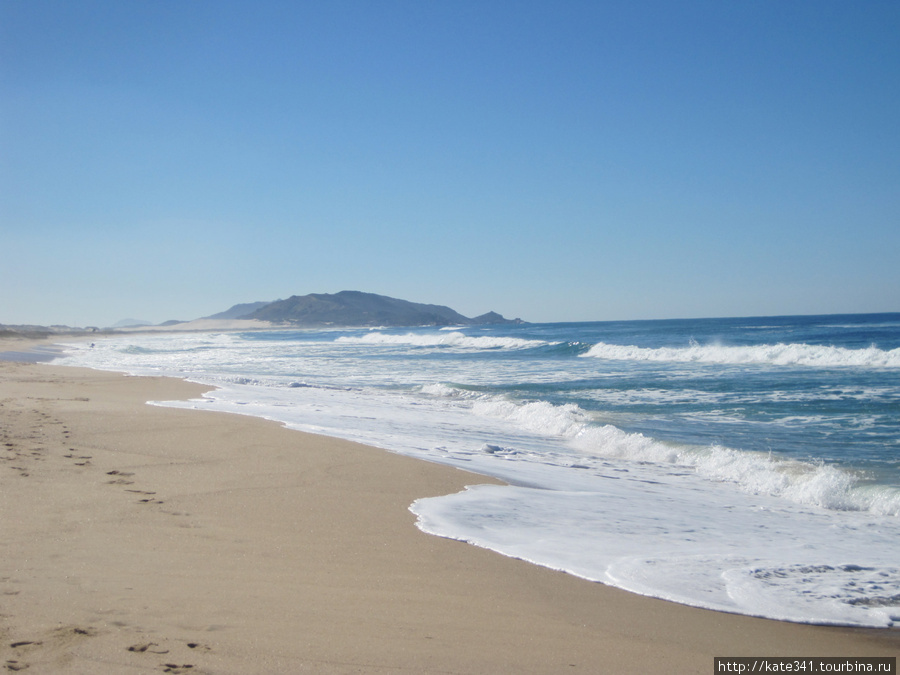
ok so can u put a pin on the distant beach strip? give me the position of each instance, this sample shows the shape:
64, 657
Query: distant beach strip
37, 353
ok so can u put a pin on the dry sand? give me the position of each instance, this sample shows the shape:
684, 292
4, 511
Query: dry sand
141, 539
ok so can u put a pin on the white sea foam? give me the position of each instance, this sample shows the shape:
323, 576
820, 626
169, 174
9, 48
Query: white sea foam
451, 339
441, 390
806, 483
820, 356
685, 395
689, 544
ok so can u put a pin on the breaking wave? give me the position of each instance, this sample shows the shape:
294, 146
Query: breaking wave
453, 339
820, 356
808, 483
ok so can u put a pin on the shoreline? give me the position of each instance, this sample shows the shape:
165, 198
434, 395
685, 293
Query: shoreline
130, 526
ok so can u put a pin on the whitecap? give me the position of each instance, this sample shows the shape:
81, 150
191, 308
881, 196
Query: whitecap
820, 356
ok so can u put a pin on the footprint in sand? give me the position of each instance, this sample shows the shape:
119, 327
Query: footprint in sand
121, 478
56, 639
169, 667
151, 647
17, 663
85, 458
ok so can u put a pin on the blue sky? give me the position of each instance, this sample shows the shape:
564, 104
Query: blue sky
558, 161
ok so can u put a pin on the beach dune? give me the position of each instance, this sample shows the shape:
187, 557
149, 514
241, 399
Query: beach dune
144, 539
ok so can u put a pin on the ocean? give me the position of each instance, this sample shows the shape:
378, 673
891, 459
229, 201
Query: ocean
746, 465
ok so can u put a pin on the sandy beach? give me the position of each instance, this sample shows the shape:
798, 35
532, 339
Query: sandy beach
143, 539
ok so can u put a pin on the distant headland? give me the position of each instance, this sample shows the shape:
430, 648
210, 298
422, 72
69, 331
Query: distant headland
355, 308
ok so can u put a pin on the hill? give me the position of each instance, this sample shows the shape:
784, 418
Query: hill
238, 311
355, 308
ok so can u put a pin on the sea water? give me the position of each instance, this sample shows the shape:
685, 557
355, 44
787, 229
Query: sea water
743, 465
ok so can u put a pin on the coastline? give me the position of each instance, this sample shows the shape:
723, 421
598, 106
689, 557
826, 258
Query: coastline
139, 538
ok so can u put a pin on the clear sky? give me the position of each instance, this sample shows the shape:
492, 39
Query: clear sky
554, 160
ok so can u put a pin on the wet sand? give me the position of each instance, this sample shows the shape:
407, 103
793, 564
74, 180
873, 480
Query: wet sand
142, 539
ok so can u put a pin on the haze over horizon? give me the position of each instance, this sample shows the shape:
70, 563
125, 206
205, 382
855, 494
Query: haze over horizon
561, 161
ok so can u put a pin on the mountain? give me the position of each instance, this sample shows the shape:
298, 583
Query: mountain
354, 308
238, 311
492, 317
